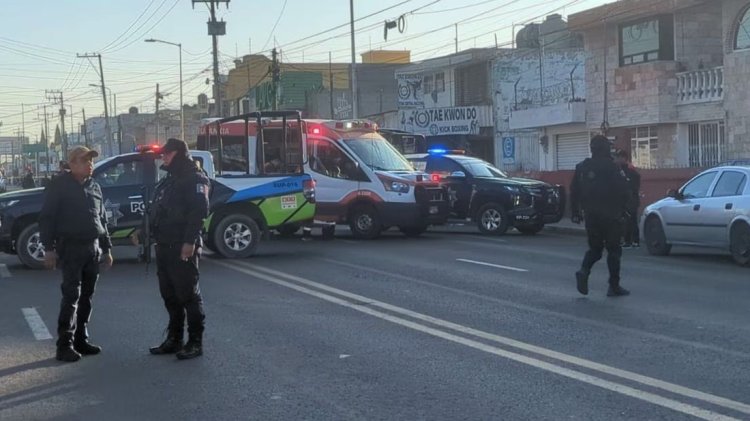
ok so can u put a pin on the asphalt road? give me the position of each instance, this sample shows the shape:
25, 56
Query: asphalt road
447, 326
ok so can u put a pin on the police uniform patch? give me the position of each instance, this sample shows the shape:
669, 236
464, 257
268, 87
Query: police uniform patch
201, 189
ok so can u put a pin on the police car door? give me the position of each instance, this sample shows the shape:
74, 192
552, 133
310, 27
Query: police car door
121, 180
458, 188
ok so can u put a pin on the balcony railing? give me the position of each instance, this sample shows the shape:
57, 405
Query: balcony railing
700, 86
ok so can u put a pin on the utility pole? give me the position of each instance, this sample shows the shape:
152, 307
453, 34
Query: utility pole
23, 121
456, 38
354, 62
71, 118
46, 137
330, 75
107, 127
275, 78
85, 129
57, 98
216, 29
158, 99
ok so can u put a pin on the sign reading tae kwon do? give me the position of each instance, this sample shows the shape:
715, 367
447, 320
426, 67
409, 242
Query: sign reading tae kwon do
442, 121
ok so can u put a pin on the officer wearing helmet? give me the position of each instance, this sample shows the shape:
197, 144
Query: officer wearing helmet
600, 195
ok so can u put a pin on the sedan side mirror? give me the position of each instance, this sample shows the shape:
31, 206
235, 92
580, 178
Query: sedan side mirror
675, 194
458, 174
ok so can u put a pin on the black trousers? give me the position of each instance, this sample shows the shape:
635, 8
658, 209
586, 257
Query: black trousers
178, 285
603, 233
632, 233
79, 262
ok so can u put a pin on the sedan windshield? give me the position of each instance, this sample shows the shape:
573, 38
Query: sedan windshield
378, 154
482, 169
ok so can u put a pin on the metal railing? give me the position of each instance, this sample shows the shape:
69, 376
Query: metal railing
705, 85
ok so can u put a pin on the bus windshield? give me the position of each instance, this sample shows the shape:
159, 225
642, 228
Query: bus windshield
378, 154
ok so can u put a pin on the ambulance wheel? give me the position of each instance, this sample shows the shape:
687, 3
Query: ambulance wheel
364, 222
413, 231
288, 230
236, 236
29, 247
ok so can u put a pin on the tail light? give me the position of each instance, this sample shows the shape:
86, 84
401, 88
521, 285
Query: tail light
435, 178
308, 190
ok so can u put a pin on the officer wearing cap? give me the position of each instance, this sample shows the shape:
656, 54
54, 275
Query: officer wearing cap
73, 229
600, 195
180, 205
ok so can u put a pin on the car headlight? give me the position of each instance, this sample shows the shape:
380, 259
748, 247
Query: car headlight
513, 189
397, 186
8, 203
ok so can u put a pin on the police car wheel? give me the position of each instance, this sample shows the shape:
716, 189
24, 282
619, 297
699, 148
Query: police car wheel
29, 247
365, 222
492, 219
236, 236
656, 240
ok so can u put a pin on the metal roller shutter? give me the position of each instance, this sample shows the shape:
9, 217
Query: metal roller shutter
572, 148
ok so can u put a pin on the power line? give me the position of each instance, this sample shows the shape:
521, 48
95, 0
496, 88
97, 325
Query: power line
131, 26
270, 34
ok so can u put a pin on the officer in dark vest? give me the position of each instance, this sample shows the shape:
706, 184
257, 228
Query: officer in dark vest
73, 229
600, 195
180, 205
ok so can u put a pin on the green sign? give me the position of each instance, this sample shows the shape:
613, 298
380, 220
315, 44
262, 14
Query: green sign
33, 147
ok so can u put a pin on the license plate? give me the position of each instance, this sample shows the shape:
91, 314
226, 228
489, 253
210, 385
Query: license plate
433, 210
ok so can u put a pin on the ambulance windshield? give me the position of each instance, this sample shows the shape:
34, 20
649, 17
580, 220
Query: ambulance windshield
378, 154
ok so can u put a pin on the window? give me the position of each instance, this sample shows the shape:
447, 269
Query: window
705, 144
482, 169
646, 41
742, 38
731, 183
427, 86
378, 154
329, 160
644, 145
440, 82
443, 166
698, 187
123, 174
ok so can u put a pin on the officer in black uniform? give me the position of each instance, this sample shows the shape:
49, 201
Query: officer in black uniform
600, 195
179, 208
73, 229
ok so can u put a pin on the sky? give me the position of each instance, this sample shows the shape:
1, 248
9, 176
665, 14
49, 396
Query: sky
40, 40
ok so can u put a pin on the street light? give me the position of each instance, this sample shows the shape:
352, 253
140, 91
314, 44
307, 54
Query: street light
182, 105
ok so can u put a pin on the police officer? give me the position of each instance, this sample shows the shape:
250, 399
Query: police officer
73, 229
177, 213
631, 236
600, 195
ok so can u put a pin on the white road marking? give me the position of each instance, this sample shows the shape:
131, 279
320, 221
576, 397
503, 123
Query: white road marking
268, 275
38, 328
545, 312
492, 265
4, 272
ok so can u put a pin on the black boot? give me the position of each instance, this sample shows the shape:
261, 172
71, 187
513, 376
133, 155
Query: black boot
582, 282
172, 344
83, 347
615, 290
193, 348
67, 354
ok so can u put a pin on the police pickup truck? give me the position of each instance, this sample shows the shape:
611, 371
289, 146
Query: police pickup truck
481, 193
240, 208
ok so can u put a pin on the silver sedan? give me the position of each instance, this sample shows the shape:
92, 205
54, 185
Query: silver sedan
711, 210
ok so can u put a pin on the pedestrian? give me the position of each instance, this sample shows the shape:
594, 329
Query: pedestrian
73, 229
599, 195
28, 180
631, 235
177, 213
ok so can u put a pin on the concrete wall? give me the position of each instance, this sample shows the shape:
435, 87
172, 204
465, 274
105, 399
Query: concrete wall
736, 77
698, 37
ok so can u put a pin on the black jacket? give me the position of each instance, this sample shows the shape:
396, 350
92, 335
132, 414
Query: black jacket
73, 211
28, 182
180, 204
634, 183
599, 187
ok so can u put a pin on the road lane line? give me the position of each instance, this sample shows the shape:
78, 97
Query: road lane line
35, 322
591, 365
523, 359
545, 312
492, 265
4, 272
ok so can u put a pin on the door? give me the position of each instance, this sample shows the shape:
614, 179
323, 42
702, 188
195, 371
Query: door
122, 181
684, 217
721, 207
572, 148
337, 178
458, 189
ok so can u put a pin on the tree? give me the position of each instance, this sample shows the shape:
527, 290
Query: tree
58, 136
